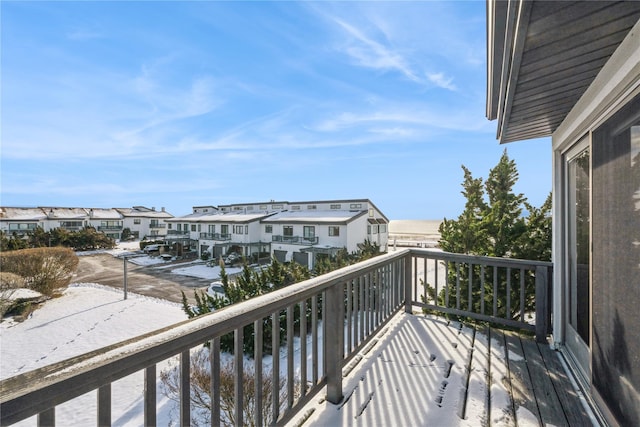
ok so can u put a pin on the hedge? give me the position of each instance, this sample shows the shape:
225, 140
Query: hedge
44, 269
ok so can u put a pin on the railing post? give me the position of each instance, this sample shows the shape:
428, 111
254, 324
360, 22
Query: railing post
542, 304
406, 280
333, 319
47, 418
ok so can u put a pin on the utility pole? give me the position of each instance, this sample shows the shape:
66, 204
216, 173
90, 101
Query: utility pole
125, 277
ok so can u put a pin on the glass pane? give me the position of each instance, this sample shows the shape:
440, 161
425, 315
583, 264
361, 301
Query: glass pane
579, 233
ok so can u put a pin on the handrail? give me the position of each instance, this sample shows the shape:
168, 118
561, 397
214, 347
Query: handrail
46, 388
357, 299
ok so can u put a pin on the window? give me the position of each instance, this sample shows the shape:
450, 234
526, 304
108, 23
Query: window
355, 206
312, 207
193, 227
309, 231
334, 230
383, 228
212, 228
224, 229
237, 208
170, 226
295, 208
199, 227
249, 208
276, 206
263, 207
23, 226
136, 220
336, 206
246, 229
374, 229
179, 227
371, 212
237, 229
287, 230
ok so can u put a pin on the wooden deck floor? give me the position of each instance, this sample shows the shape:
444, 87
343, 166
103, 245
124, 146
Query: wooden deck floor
427, 371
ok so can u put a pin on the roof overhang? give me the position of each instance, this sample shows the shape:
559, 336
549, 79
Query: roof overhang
543, 55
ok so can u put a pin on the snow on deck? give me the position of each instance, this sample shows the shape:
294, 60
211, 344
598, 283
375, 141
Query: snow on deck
428, 371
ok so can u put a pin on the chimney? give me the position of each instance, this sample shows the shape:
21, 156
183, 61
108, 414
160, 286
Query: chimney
162, 208
153, 208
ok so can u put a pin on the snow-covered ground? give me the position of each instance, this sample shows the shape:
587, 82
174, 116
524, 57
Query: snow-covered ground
88, 317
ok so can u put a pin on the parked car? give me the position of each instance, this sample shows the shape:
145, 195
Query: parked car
216, 289
151, 248
232, 258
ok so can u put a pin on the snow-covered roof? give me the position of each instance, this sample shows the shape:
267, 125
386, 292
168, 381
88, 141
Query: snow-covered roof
142, 212
101, 213
66, 213
229, 217
313, 216
21, 214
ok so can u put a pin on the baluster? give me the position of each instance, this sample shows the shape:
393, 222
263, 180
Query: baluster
314, 339
257, 368
104, 405
238, 339
303, 348
214, 360
348, 314
275, 365
47, 418
290, 381
470, 282
495, 291
522, 295
458, 285
150, 396
508, 315
482, 289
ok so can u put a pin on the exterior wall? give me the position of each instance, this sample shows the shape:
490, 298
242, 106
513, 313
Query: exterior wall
614, 362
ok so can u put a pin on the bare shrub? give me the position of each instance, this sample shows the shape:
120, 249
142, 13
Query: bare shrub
9, 282
201, 391
44, 269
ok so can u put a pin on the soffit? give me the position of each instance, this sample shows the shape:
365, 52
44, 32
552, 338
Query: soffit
542, 57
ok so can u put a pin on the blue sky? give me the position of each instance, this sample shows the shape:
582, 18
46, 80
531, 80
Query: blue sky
180, 104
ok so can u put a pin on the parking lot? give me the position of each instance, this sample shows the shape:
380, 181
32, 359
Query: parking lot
108, 270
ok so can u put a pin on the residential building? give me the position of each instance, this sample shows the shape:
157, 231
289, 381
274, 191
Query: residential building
141, 221
145, 222
288, 231
571, 70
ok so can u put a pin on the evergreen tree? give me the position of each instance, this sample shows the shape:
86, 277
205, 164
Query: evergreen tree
492, 224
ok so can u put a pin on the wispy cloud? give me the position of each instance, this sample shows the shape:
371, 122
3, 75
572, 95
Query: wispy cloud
440, 80
370, 53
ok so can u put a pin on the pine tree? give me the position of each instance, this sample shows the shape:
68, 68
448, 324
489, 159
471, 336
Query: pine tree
492, 224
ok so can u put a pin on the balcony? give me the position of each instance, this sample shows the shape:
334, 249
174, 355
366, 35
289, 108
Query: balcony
215, 236
110, 228
177, 234
386, 309
295, 240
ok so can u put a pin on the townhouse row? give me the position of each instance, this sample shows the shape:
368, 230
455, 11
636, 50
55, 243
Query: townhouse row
288, 231
141, 221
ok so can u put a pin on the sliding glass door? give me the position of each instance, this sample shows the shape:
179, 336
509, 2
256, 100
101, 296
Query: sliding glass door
577, 290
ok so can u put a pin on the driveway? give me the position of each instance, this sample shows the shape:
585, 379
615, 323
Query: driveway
144, 280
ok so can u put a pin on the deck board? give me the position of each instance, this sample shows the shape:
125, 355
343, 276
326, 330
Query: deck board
429, 371
524, 401
551, 412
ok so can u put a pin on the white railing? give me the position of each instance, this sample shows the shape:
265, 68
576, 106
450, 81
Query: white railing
342, 311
